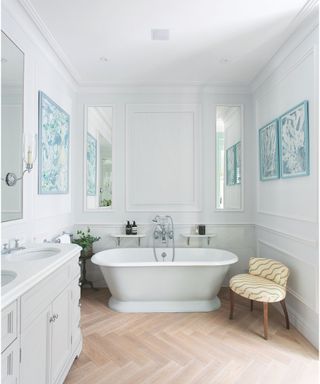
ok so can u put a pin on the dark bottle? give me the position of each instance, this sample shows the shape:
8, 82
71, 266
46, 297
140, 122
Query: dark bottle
128, 228
134, 229
202, 229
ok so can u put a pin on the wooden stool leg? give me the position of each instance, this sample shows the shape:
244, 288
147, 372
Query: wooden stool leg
283, 305
265, 320
251, 305
231, 303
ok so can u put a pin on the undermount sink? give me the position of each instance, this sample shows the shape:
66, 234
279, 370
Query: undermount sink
33, 254
7, 277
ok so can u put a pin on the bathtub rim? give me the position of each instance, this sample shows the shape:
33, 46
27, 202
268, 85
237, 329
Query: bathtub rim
232, 259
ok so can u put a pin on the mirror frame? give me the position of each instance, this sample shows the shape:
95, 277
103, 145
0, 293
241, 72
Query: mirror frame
22, 198
85, 131
241, 209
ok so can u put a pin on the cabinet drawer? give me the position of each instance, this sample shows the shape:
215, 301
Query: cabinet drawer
9, 325
10, 365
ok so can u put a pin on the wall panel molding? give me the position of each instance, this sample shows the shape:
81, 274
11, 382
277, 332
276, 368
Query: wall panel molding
286, 235
290, 217
163, 163
292, 291
270, 84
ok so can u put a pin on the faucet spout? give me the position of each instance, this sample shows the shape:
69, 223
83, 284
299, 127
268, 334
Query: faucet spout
164, 232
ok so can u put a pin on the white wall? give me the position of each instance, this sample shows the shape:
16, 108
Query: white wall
167, 99
287, 209
44, 216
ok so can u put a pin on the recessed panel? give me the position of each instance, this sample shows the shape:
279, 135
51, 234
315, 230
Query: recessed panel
162, 157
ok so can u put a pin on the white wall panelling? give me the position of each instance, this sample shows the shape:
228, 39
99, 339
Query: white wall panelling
274, 101
287, 210
163, 157
44, 215
193, 102
303, 287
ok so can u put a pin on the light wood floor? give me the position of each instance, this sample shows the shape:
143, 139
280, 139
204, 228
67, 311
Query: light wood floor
185, 348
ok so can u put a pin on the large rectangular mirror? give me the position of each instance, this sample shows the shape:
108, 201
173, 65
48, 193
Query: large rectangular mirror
12, 81
228, 157
98, 157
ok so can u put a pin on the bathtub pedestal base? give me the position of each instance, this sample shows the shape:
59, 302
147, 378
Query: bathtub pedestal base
164, 306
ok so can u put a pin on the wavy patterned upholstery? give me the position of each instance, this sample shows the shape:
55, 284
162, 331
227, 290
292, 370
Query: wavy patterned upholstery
269, 269
257, 288
266, 282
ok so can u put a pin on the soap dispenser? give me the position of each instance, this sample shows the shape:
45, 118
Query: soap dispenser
128, 228
134, 229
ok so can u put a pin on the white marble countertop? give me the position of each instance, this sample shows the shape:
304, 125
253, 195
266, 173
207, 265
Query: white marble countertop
31, 272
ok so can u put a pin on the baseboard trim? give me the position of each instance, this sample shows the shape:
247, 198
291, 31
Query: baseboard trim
298, 322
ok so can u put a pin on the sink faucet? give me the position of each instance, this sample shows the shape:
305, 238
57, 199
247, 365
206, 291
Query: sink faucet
7, 248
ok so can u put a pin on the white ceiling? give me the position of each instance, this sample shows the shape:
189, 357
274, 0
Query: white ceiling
211, 41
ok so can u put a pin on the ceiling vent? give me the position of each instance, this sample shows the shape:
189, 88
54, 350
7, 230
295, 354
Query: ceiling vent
160, 34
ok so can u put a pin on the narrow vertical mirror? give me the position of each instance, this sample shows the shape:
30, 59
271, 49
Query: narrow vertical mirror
98, 161
12, 80
228, 157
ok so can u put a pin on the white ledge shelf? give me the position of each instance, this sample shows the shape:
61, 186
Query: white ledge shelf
189, 236
120, 236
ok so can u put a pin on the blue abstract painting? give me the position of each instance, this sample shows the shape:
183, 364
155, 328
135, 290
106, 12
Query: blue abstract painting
233, 164
269, 151
91, 165
294, 142
230, 166
54, 127
237, 154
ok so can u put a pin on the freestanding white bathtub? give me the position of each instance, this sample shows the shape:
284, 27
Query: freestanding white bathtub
139, 284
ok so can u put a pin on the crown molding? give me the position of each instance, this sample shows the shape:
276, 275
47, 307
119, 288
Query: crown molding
307, 13
47, 35
107, 87
305, 22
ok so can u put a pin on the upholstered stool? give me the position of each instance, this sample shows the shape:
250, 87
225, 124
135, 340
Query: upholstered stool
266, 282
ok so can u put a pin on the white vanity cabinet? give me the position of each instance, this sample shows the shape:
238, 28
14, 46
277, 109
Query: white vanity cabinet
10, 364
46, 344
49, 336
9, 344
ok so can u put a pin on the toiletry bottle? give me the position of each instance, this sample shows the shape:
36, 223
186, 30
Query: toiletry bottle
128, 228
134, 229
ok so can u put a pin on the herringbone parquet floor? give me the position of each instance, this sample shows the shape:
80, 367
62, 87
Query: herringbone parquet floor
187, 348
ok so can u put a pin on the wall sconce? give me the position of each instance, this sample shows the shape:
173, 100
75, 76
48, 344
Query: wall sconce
29, 156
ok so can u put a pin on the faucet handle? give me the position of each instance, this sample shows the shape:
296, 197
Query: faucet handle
4, 246
17, 243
